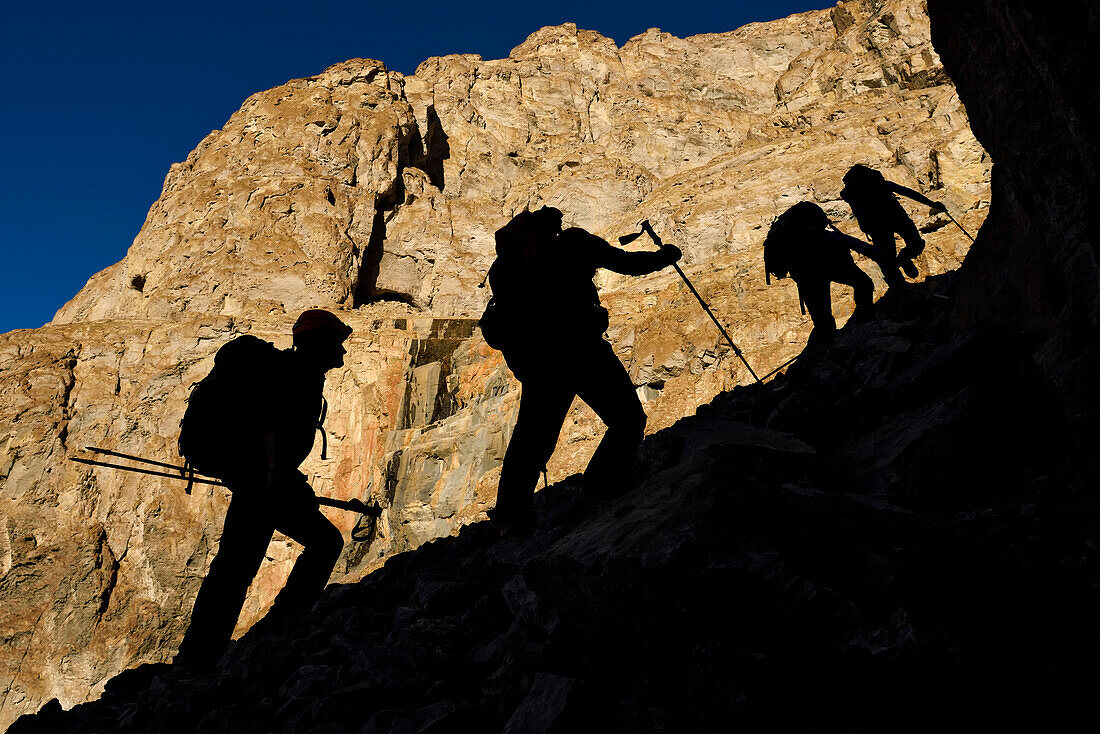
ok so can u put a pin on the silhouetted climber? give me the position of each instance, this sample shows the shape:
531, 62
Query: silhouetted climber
545, 315
800, 243
271, 405
880, 215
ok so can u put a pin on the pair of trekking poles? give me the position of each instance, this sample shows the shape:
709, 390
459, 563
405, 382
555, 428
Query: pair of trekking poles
373, 510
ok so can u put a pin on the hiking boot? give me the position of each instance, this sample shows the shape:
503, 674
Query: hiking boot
520, 527
821, 337
196, 662
605, 489
273, 624
909, 268
514, 525
863, 314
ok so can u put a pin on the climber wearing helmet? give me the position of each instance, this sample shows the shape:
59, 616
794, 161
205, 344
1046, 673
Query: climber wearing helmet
274, 403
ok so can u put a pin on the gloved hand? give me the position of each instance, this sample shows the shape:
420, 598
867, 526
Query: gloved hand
938, 207
672, 252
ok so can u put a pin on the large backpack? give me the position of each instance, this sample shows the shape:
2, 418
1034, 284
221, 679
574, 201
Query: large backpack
496, 325
517, 246
225, 407
791, 237
542, 286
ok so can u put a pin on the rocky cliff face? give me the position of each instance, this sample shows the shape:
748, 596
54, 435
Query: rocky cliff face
377, 194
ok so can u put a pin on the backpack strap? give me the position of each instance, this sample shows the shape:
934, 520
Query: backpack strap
189, 472
188, 469
321, 428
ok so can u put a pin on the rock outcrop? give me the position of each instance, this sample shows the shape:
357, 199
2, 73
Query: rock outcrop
1027, 82
272, 213
376, 194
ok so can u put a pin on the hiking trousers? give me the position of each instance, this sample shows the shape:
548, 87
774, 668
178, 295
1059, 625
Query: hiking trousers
814, 292
884, 241
592, 372
252, 519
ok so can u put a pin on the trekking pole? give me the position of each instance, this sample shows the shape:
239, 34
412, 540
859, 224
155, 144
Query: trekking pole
647, 229
150, 472
131, 457
371, 510
958, 225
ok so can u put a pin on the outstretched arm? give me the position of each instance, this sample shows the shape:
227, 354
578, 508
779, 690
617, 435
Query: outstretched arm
914, 195
854, 244
622, 261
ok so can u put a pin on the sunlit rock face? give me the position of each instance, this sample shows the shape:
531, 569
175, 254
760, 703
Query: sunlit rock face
376, 195
273, 212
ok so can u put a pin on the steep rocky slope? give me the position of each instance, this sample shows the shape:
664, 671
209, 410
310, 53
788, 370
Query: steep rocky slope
911, 552
377, 194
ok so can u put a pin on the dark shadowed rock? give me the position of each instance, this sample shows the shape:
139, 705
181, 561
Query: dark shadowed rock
1026, 76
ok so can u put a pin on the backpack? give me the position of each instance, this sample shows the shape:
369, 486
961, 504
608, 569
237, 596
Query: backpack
542, 287
516, 244
224, 408
496, 325
790, 237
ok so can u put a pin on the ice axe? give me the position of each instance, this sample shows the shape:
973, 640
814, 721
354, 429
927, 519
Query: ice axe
648, 229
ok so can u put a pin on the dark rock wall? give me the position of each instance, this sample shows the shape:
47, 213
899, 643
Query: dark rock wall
1026, 73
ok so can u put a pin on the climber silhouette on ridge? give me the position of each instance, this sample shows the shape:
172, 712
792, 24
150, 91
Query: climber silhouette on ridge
879, 214
252, 422
545, 316
803, 243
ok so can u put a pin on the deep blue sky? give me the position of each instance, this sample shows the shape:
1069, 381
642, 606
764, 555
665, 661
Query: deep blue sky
100, 98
